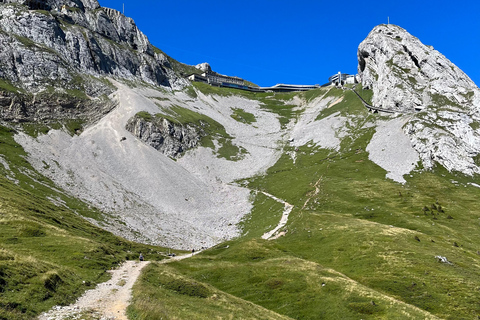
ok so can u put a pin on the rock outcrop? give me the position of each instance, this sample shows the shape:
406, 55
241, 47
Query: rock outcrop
52, 107
443, 102
41, 48
205, 67
69, 48
165, 136
56, 4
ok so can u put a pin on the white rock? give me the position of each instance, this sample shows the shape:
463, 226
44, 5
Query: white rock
406, 75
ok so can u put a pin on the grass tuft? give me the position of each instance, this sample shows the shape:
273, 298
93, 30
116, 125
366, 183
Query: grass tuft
242, 116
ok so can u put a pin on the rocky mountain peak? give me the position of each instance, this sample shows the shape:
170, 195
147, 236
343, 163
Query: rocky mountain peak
407, 75
68, 48
205, 67
442, 102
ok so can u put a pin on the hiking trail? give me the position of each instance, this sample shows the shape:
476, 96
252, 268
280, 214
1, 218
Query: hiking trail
108, 300
283, 221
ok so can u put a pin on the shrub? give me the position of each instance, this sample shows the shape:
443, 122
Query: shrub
51, 280
31, 230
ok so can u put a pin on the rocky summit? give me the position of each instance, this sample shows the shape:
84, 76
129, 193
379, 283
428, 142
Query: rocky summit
406, 75
441, 102
71, 38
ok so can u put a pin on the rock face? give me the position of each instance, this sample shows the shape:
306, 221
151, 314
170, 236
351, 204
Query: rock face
68, 48
205, 67
406, 75
443, 102
56, 4
40, 48
167, 137
47, 107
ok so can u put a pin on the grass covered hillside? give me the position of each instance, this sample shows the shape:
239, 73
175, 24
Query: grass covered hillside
356, 246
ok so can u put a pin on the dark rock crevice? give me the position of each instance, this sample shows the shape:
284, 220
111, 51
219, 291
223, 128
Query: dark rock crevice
414, 59
362, 55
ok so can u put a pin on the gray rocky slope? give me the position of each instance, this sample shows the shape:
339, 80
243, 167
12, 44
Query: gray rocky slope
192, 201
441, 102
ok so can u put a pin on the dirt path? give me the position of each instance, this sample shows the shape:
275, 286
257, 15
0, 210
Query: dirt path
110, 299
274, 234
317, 190
283, 221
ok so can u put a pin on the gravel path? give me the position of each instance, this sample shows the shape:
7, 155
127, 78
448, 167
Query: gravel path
283, 221
110, 299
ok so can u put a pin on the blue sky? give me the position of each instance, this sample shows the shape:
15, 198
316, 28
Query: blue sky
302, 41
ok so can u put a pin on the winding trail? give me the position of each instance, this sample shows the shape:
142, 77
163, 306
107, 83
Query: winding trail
272, 234
317, 190
283, 221
110, 299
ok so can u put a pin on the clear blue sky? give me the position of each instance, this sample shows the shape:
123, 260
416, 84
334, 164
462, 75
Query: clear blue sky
302, 41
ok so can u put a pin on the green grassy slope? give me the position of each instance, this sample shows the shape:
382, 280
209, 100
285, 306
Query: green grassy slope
163, 293
49, 254
357, 245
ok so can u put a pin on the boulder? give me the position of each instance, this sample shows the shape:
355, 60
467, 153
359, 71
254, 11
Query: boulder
169, 138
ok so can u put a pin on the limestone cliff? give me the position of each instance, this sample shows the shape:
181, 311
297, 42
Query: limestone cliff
406, 75
410, 77
69, 47
41, 47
